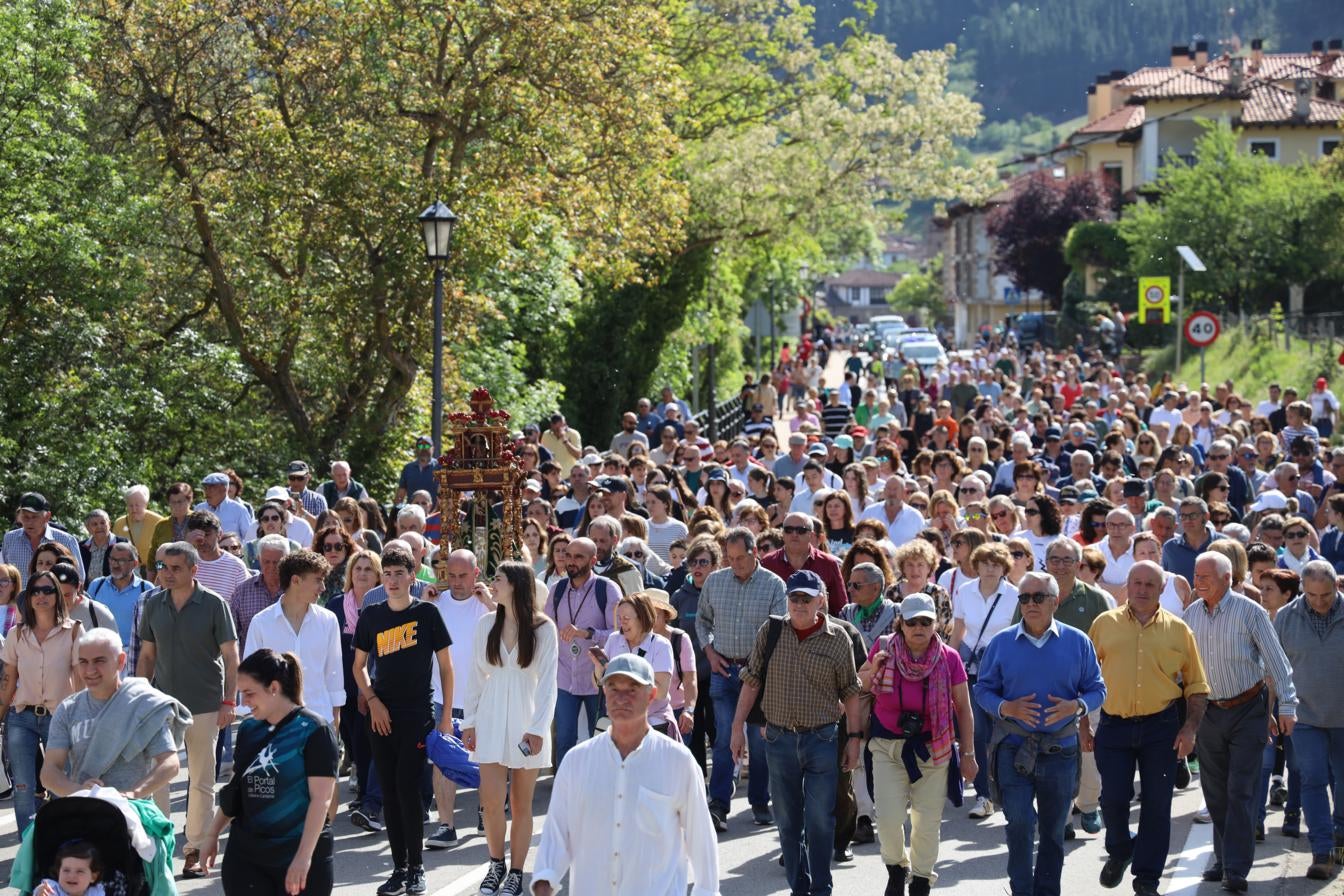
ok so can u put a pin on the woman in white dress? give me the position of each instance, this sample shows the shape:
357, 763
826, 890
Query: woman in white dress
507, 712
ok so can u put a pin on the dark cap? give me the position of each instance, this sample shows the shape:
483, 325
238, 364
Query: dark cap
65, 574
531, 428
1068, 493
718, 474
34, 501
806, 581
297, 468
1135, 487
612, 484
1052, 432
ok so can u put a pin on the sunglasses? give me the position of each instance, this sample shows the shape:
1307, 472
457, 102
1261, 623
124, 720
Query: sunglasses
1031, 511
271, 518
333, 546
797, 530
700, 561
1000, 515
974, 516
1018, 555
920, 621
799, 597
918, 506
855, 586
296, 477
634, 555
1221, 456
1296, 533
1032, 597
42, 589
1098, 524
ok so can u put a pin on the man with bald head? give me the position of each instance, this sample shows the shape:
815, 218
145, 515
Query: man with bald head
1240, 651
1150, 663
582, 605
461, 606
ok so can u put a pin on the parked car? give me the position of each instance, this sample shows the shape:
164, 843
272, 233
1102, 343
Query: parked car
926, 354
1042, 327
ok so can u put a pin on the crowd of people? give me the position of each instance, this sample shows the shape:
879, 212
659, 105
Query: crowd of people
1012, 582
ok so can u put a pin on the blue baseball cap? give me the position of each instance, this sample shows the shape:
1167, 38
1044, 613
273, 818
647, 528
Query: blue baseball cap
806, 582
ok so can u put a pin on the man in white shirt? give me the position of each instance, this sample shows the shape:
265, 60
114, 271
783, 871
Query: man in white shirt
461, 607
903, 523
1271, 404
604, 843
1168, 414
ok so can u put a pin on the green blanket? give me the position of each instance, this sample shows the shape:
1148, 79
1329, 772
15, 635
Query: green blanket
158, 872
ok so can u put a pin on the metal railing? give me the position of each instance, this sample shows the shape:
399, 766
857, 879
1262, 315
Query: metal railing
1315, 329
723, 420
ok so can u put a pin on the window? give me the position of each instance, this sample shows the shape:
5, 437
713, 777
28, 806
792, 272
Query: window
1115, 173
1329, 145
1267, 148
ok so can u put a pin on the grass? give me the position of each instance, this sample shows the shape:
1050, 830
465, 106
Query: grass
1251, 360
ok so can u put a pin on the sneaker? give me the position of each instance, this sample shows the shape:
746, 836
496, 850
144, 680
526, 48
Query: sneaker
762, 816
1091, 821
369, 821
444, 837
1182, 774
1069, 832
493, 878
1260, 832
396, 884
1322, 867
1292, 824
415, 881
1113, 872
513, 884
983, 808
863, 831
1202, 816
719, 817
1278, 791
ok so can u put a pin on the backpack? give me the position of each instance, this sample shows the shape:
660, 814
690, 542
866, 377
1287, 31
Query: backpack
677, 635
601, 594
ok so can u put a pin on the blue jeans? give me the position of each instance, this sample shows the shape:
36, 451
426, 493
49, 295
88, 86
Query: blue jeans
723, 691
1145, 743
984, 728
1040, 802
567, 720
804, 777
1290, 774
1320, 762
25, 735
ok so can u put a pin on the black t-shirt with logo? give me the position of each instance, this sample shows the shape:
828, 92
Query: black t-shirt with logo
402, 644
275, 783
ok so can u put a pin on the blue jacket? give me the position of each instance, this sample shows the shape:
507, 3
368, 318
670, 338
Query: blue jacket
1332, 547
1179, 556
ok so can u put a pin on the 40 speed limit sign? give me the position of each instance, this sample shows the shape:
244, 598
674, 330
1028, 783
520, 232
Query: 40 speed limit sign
1202, 328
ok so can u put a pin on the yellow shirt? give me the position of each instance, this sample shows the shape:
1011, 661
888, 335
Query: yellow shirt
1144, 665
141, 534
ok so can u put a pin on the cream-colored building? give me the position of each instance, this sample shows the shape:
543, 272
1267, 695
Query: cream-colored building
1285, 106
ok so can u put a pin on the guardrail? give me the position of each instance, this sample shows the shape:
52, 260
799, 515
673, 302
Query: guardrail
723, 420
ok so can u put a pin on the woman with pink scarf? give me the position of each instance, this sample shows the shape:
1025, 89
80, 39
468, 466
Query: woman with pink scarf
919, 690
363, 572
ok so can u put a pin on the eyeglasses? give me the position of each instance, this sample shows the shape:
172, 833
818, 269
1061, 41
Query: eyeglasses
1061, 561
1031, 511
1032, 597
1018, 555
797, 530
700, 561
920, 621
160, 566
918, 505
1296, 533
1192, 515
333, 546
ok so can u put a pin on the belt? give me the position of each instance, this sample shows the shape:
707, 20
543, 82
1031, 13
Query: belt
1152, 715
37, 709
799, 729
732, 661
1243, 697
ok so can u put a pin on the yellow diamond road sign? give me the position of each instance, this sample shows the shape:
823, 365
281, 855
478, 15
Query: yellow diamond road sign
1154, 300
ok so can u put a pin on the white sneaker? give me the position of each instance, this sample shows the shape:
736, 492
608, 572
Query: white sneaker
1202, 816
983, 808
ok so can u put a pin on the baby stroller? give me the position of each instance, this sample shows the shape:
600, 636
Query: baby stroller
102, 824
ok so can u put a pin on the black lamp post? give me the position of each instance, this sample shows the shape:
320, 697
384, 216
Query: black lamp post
438, 222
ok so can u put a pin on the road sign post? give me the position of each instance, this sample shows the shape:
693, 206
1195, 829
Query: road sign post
1201, 329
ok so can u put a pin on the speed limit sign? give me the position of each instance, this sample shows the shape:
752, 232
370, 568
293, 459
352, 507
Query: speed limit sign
1202, 328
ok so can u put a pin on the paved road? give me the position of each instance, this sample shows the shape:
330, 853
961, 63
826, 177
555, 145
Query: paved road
972, 858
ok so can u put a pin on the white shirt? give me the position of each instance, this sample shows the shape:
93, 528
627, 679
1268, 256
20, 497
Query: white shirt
1117, 568
908, 523
971, 607
1323, 404
1171, 417
317, 644
1266, 407
460, 618
627, 826
298, 530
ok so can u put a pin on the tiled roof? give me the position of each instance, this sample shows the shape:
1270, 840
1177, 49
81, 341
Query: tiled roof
1184, 84
1268, 104
1272, 67
1123, 119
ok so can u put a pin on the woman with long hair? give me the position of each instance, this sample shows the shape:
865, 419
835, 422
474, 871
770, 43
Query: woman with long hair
1027, 481
47, 555
336, 547
912, 670
363, 573
40, 658
837, 516
664, 528
943, 514
555, 557
1043, 526
856, 487
280, 841
1092, 521
947, 470
962, 547
534, 537
507, 712
352, 518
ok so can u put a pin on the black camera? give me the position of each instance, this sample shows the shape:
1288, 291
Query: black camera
911, 724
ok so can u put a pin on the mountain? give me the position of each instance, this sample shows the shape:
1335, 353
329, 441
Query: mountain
1038, 58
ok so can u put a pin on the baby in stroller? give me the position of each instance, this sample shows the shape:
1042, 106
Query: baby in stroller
76, 871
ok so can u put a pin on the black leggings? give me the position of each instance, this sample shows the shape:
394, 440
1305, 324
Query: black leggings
241, 875
399, 759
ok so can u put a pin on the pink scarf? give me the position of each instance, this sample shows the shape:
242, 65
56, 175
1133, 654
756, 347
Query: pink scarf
933, 666
351, 606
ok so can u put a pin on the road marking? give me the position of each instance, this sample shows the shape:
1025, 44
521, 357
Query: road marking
1189, 873
470, 879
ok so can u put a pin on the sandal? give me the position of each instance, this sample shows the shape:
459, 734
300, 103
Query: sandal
191, 863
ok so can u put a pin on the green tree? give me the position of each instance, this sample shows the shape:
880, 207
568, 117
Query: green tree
921, 293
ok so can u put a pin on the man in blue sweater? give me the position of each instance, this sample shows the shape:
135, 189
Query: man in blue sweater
1178, 554
1036, 679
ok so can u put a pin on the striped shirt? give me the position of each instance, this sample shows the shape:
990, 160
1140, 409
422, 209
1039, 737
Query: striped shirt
222, 575
732, 611
1239, 649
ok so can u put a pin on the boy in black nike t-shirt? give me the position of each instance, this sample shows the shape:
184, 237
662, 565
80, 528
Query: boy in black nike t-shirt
403, 635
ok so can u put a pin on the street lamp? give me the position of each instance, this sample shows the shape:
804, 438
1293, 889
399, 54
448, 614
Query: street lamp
438, 222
